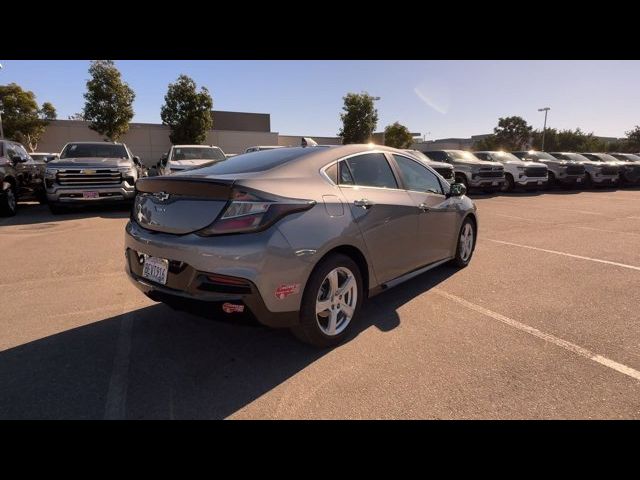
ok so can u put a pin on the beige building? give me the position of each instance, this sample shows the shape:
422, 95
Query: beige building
233, 132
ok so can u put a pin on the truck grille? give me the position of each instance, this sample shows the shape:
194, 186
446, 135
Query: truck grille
535, 171
89, 177
445, 172
609, 170
575, 169
494, 172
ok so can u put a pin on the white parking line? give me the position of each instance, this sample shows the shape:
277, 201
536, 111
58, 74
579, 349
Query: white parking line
572, 347
623, 265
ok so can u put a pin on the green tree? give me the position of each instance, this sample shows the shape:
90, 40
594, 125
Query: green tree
359, 119
633, 139
108, 100
22, 119
187, 111
488, 143
512, 133
398, 136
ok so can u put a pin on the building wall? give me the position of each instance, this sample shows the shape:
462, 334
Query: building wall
241, 121
148, 141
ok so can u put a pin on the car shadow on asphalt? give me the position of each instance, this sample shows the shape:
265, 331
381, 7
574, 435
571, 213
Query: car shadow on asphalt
172, 365
33, 213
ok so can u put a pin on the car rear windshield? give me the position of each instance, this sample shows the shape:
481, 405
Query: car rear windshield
197, 153
255, 161
107, 150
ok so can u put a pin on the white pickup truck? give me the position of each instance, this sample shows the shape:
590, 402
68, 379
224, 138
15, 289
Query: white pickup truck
183, 157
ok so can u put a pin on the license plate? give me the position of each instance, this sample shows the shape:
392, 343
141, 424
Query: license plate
155, 269
90, 195
578, 180
495, 184
539, 182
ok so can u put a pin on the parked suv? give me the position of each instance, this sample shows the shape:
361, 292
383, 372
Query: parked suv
559, 171
596, 172
470, 170
518, 173
89, 172
183, 157
444, 169
20, 176
629, 172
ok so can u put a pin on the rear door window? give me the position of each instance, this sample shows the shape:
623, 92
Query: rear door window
371, 170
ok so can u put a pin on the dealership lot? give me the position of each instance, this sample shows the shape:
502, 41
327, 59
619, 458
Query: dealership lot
544, 323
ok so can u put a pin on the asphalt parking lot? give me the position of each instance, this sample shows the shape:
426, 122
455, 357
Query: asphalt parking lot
544, 323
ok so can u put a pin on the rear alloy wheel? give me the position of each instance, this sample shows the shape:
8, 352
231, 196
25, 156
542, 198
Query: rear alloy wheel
466, 244
8, 202
331, 301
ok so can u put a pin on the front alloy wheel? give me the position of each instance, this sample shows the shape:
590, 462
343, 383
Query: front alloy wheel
8, 202
466, 244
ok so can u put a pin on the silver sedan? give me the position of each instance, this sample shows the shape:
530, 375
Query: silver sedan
298, 237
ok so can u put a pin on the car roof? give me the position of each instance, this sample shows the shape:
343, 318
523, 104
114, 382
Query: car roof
194, 146
97, 142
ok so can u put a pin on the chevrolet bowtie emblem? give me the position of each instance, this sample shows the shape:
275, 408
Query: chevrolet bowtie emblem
161, 196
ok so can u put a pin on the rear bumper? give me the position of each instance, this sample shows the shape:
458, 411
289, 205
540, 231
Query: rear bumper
75, 195
263, 264
205, 303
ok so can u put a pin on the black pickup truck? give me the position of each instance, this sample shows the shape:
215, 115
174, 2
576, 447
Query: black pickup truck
20, 177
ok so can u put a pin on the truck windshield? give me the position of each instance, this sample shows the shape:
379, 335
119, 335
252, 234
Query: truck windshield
93, 150
198, 153
462, 155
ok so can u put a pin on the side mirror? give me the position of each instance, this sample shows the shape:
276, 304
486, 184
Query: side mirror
163, 159
457, 190
18, 159
136, 160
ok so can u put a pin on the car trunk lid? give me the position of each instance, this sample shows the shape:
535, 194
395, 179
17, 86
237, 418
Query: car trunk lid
180, 205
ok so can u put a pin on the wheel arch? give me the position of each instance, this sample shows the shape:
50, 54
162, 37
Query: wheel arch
357, 256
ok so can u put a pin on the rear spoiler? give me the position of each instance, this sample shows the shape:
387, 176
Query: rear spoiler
214, 188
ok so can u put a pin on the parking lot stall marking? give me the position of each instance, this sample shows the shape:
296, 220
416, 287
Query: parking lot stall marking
572, 347
598, 260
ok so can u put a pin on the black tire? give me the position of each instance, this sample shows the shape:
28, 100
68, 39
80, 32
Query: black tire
309, 331
458, 260
509, 183
41, 196
8, 202
461, 178
56, 208
588, 182
551, 180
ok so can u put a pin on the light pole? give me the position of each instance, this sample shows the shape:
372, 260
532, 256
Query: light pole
544, 129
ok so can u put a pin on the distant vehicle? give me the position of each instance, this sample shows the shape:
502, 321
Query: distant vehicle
633, 160
518, 173
21, 176
259, 148
629, 171
299, 237
44, 157
470, 170
559, 171
596, 173
89, 172
444, 169
184, 157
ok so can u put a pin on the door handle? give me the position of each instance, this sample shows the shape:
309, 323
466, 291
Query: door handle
424, 207
364, 203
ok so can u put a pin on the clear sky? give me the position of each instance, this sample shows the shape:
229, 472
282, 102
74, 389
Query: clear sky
437, 98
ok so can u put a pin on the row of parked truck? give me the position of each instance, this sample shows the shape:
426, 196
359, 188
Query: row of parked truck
86, 172
504, 171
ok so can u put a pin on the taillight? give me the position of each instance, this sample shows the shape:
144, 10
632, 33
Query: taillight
247, 212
